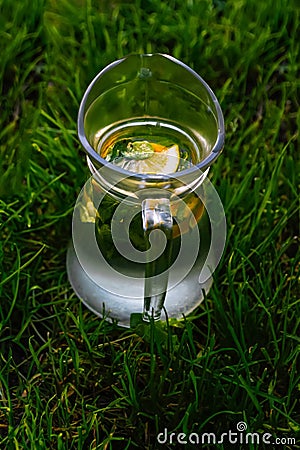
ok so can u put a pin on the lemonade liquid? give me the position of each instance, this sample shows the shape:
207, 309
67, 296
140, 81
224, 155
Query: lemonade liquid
115, 146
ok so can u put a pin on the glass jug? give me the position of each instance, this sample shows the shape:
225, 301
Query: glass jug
147, 236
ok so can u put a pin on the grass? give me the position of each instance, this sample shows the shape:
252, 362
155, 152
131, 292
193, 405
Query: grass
69, 380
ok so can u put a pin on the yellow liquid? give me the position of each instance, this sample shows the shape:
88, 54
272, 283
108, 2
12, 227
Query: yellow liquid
161, 136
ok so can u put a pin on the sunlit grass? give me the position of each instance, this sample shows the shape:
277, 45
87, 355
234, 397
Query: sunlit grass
67, 378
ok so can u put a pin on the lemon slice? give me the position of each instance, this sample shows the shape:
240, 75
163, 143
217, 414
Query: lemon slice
163, 162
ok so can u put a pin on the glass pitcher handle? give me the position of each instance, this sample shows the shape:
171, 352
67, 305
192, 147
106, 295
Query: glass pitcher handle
157, 216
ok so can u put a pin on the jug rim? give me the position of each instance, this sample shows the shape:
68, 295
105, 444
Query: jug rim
201, 165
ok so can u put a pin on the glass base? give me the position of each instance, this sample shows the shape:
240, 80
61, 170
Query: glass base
180, 300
